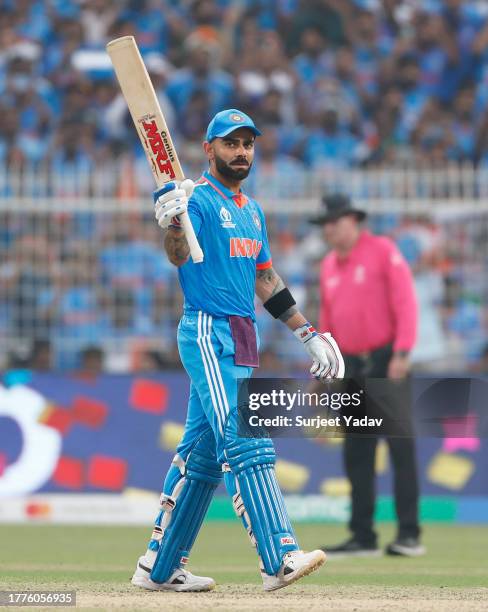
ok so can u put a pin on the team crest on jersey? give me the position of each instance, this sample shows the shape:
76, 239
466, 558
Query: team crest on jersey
257, 220
226, 218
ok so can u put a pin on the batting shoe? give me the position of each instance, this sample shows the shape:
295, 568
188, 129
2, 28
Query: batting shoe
181, 580
295, 565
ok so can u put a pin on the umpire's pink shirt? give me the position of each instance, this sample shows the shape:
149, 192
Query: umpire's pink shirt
368, 297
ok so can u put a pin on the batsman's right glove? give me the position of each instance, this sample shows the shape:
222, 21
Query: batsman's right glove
327, 361
170, 201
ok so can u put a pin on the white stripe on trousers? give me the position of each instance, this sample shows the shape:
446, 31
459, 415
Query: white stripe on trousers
209, 372
213, 366
220, 382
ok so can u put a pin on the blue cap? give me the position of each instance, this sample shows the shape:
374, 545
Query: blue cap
227, 121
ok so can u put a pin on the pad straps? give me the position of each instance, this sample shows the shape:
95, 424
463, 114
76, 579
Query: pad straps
258, 500
185, 507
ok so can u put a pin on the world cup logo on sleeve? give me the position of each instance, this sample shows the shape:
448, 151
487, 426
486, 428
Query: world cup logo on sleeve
226, 218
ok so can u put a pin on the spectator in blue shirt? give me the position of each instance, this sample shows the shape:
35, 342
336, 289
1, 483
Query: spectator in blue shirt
437, 54
314, 60
129, 262
74, 299
200, 74
276, 175
330, 143
465, 124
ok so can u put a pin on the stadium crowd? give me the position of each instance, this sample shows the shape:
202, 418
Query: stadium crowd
99, 279
333, 83
337, 82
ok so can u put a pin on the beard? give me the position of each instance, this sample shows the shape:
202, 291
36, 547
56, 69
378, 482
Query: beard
235, 174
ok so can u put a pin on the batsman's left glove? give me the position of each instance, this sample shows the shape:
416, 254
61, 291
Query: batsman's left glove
170, 201
327, 361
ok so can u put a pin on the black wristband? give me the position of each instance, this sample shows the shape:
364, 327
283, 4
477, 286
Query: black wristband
279, 303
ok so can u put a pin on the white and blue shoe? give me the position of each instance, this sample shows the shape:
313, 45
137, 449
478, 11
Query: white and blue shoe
295, 565
180, 581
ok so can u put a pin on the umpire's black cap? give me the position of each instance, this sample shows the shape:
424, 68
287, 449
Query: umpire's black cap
335, 206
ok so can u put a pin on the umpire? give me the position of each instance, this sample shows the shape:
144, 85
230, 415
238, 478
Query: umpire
368, 303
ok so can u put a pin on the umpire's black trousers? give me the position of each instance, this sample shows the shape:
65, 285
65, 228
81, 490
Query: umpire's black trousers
359, 460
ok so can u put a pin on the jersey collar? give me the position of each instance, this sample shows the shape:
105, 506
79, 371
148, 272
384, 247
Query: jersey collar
239, 199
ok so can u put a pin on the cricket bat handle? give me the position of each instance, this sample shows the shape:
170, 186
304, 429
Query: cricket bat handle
195, 250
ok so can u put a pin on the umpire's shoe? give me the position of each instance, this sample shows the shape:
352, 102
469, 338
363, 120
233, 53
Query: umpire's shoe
296, 565
181, 580
353, 548
406, 547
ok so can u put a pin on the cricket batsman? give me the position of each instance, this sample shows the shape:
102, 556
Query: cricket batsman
218, 344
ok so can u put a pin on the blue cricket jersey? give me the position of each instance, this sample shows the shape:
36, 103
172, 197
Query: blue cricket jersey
231, 230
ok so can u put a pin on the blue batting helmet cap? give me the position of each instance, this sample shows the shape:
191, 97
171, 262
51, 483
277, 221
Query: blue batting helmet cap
227, 121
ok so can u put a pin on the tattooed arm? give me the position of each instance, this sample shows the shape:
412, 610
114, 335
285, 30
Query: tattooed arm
176, 246
327, 361
268, 284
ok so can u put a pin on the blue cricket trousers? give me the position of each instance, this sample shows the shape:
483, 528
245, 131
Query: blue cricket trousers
207, 353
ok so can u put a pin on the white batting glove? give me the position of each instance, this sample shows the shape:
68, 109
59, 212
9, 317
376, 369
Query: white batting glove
327, 361
170, 201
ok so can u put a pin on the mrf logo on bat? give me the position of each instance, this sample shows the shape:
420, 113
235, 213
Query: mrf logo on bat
158, 146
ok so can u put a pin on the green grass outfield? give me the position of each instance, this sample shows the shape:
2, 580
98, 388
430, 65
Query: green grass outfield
98, 563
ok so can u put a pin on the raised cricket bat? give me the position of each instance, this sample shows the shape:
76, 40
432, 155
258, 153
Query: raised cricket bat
150, 124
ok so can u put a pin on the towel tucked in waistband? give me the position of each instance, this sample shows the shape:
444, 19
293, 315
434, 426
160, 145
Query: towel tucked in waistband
244, 336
